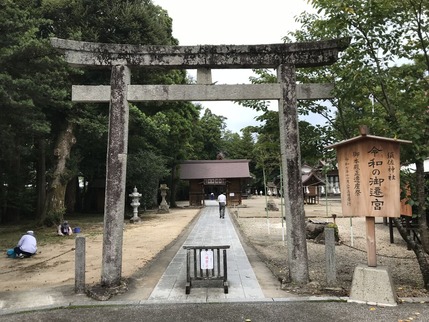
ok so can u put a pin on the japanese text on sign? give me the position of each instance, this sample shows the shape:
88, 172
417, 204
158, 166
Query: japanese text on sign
206, 259
369, 178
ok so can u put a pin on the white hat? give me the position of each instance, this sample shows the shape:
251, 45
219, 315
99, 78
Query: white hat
30, 232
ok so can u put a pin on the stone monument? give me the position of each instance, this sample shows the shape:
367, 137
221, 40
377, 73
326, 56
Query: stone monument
163, 207
135, 197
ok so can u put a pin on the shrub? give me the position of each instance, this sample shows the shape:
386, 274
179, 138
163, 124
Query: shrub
54, 218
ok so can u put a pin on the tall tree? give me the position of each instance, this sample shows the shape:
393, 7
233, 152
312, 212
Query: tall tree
209, 135
134, 22
40, 125
32, 95
236, 146
312, 140
381, 79
181, 119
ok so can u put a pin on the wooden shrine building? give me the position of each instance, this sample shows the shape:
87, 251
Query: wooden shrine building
311, 184
208, 178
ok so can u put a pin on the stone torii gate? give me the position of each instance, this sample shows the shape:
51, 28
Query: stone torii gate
119, 57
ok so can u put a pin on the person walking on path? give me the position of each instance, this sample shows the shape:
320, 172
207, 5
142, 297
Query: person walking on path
222, 203
27, 245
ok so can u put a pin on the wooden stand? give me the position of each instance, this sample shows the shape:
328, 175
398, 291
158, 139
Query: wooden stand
195, 269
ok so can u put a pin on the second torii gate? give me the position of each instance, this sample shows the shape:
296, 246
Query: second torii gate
283, 57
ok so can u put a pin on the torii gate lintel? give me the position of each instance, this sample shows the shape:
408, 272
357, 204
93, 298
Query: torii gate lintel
305, 54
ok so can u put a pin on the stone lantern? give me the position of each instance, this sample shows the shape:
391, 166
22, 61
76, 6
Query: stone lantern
163, 207
135, 197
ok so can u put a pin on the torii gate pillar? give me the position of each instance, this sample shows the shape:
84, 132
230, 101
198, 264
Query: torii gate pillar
115, 176
291, 167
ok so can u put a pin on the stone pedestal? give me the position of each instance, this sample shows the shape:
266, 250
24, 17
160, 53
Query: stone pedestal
373, 286
135, 220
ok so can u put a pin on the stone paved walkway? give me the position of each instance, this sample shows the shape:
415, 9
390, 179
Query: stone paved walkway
210, 230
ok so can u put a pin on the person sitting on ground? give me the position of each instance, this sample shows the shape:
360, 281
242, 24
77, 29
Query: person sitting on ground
27, 245
64, 229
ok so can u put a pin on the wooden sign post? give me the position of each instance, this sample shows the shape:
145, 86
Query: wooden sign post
370, 241
369, 181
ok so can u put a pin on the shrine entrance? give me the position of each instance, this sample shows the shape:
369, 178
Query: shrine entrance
215, 176
285, 58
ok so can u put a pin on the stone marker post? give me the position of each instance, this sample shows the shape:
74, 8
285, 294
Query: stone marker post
79, 283
331, 269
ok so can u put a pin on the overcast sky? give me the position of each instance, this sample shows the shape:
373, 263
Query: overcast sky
232, 22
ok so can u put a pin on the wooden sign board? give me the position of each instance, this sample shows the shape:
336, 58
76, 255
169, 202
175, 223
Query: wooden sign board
369, 176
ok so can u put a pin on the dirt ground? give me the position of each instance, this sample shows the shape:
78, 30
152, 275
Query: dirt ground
266, 234
54, 264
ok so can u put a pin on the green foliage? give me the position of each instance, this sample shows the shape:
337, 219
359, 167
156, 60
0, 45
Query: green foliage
381, 81
35, 85
382, 78
208, 136
54, 217
32, 96
266, 150
145, 171
236, 146
382, 32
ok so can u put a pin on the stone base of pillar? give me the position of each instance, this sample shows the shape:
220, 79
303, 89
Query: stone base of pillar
163, 209
104, 293
373, 286
135, 220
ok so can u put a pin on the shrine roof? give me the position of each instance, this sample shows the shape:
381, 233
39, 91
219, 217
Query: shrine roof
366, 137
311, 179
214, 169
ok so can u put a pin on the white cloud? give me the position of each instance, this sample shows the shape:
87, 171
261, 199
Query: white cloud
238, 22
232, 22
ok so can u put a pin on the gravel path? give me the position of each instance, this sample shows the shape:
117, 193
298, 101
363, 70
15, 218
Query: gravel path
266, 232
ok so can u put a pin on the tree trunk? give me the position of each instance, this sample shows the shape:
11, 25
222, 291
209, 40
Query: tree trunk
15, 188
71, 195
421, 250
56, 191
421, 212
156, 197
173, 187
421, 255
41, 179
